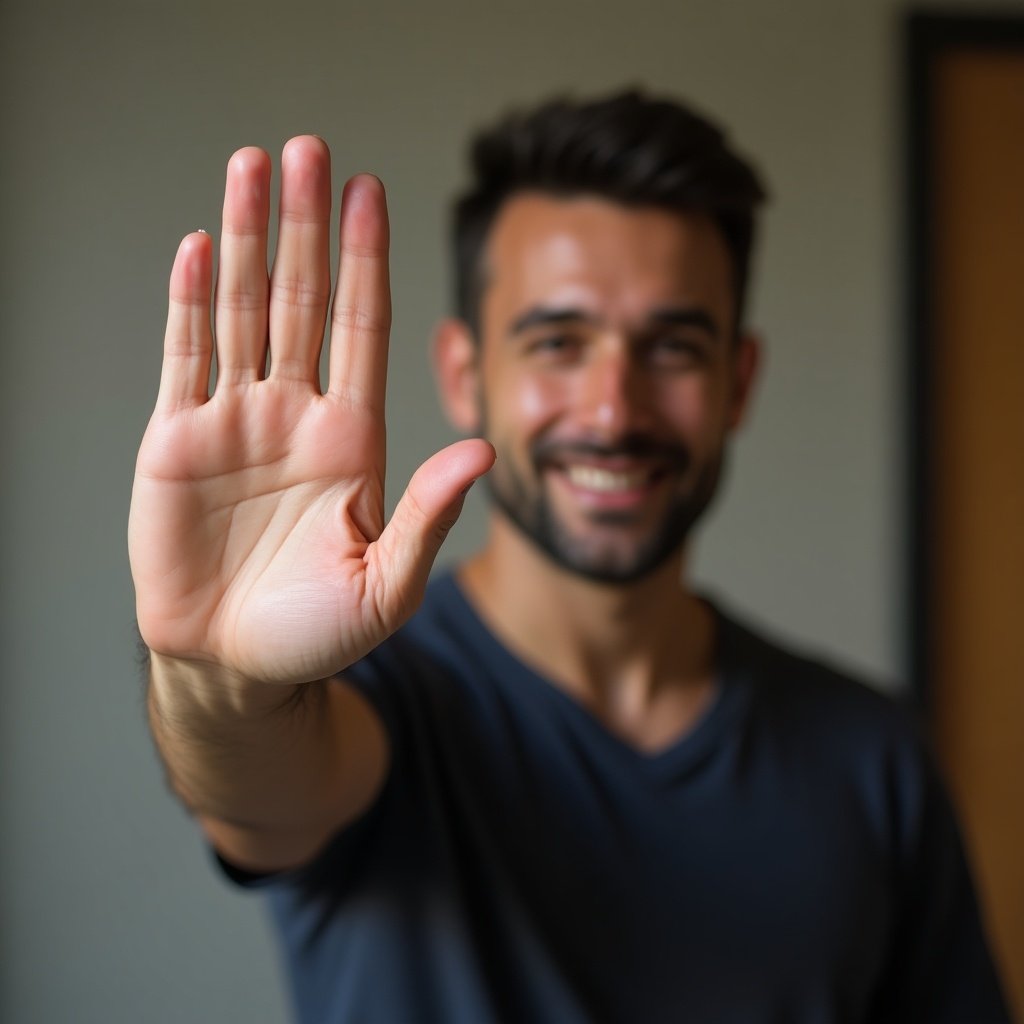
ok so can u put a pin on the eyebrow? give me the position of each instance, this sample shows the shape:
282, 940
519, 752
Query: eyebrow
672, 316
541, 316
687, 316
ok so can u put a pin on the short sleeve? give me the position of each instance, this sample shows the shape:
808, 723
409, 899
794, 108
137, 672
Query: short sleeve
940, 968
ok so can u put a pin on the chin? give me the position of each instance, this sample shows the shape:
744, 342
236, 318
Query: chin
613, 569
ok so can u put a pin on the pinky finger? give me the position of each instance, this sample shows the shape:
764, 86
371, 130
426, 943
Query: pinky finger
188, 341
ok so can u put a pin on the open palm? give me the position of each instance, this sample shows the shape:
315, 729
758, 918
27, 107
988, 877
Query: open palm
256, 535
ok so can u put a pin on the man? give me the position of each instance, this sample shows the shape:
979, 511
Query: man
567, 788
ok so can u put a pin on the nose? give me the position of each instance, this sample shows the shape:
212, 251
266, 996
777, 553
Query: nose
613, 400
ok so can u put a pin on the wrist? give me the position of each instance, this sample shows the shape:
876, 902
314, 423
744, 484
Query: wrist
178, 685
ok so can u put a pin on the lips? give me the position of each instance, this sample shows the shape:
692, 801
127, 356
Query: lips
628, 470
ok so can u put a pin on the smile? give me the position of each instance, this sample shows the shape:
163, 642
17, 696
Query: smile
607, 481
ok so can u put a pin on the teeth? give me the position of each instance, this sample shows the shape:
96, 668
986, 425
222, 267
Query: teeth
593, 479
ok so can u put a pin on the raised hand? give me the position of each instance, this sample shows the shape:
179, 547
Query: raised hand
257, 535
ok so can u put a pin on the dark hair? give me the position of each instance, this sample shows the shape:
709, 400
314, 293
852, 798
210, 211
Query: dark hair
627, 147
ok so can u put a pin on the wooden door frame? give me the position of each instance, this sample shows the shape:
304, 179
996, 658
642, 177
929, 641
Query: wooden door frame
928, 37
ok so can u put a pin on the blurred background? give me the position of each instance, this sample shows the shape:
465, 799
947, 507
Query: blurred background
117, 120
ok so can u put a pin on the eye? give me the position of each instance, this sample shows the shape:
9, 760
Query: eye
558, 347
676, 351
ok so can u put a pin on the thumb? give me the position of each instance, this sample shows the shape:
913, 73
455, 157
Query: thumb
430, 507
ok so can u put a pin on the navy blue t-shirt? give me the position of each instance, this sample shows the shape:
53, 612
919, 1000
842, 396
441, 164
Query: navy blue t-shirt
791, 860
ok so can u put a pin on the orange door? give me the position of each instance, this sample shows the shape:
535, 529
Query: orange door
975, 442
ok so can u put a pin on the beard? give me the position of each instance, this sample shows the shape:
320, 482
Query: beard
527, 505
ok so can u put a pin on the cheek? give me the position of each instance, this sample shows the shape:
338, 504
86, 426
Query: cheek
694, 409
540, 399
526, 402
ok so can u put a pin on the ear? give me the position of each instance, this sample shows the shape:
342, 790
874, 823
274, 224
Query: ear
457, 372
746, 366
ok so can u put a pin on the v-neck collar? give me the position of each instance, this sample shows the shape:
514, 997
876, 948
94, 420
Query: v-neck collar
679, 755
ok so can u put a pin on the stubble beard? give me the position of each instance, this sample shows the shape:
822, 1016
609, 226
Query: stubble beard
527, 505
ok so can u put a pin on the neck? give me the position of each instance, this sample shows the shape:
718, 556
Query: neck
624, 650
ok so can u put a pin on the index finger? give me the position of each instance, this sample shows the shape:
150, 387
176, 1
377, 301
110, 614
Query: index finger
361, 318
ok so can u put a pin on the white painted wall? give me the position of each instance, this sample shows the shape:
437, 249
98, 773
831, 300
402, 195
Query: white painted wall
116, 123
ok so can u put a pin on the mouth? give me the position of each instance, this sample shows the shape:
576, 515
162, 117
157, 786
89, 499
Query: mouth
602, 480
622, 479
622, 487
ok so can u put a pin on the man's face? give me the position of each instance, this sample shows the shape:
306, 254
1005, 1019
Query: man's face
609, 377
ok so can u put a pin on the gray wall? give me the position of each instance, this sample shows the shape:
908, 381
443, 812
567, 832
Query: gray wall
117, 121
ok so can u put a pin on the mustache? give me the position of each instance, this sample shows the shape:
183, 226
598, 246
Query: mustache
636, 446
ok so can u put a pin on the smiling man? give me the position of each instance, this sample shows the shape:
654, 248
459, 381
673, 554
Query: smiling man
555, 784
617, 365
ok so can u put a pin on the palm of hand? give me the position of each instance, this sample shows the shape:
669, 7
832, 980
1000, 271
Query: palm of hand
257, 536
258, 517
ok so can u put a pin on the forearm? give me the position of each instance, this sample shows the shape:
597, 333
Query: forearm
270, 771
256, 532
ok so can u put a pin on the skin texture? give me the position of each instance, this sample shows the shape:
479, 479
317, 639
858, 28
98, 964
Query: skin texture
260, 555
633, 377
257, 535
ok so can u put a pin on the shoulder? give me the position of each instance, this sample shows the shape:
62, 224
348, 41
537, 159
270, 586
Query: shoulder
840, 733
803, 688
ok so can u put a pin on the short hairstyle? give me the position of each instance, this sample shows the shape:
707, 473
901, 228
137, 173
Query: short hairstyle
628, 147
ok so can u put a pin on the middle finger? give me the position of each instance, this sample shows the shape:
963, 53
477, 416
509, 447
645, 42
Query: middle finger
241, 301
300, 285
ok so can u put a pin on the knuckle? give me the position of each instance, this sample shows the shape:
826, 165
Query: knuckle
247, 233
416, 510
364, 252
361, 319
302, 217
187, 347
443, 528
241, 301
299, 292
